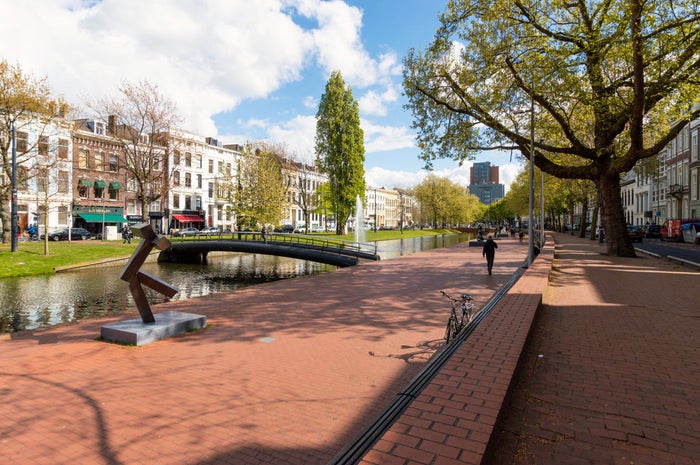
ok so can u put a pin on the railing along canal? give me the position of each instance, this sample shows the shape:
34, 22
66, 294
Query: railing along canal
321, 243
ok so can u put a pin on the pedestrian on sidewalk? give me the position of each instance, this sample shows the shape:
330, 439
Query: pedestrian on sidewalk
489, 252
126, 234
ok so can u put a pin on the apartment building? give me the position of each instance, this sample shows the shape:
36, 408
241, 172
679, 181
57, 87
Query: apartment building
44, 173
100, 180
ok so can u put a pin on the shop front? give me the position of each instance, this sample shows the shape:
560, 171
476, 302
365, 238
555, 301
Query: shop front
186, 219
101, 221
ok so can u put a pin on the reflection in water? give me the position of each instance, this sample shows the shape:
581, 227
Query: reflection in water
31, 302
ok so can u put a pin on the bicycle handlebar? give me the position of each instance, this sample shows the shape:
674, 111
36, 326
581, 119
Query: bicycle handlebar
464, 297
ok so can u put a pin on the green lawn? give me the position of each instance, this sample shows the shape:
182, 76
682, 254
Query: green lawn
30, 259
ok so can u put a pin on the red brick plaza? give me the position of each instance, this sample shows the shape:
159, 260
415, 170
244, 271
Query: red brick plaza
290, 372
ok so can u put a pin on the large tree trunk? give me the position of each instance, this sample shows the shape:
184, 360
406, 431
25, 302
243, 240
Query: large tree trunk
594, 218
616, 237
584, 214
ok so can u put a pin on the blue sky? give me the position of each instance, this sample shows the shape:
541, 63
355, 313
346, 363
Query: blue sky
243, 70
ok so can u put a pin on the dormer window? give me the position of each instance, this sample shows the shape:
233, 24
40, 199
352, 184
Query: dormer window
99, 128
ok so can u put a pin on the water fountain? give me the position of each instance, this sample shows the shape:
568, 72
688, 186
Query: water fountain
359, 220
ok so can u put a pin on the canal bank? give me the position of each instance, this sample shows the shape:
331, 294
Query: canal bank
288, 372
94, 288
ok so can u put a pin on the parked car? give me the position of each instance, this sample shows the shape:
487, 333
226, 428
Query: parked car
187, 232
285, 228
653, 230
636, 233
76, 234
210, 231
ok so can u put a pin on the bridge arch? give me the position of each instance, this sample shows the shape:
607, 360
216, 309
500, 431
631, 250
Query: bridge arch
330, 251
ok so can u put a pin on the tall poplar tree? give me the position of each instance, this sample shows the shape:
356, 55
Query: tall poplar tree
607, 83
340, 150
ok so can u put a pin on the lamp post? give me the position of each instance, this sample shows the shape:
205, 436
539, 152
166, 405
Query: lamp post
530, 225
13, 200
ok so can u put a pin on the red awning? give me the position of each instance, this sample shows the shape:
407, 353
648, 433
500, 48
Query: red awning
188, 218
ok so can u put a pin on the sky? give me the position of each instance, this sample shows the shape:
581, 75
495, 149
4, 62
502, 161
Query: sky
243, 70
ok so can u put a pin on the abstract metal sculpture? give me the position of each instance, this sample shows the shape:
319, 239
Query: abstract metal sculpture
132, 275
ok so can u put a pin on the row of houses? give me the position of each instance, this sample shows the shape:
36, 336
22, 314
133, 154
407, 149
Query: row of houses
74, 173
669, 189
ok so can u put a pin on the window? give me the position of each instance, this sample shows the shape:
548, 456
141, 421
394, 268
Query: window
63, 182
42, 180
176, 178
83, 156
100, 128
176, 157
199, 161
114, 190
188, 159
113, 163
188, 179
211, 166
188, 202
99, 158
63, 148
199, 181
211, 190
176, 201
221, 167
99, 188
84, 188
63, 215
43, 145
694, 148
22, 141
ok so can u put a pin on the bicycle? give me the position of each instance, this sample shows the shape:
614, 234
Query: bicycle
456, 322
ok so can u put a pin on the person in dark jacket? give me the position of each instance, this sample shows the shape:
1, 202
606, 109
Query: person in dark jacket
489, 252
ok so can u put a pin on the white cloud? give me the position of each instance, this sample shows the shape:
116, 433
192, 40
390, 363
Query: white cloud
386, 138
298, 134
206, 56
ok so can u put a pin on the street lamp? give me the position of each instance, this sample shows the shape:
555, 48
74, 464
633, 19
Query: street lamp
530, 226
13, 201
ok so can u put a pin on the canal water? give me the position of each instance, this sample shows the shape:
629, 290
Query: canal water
35, 301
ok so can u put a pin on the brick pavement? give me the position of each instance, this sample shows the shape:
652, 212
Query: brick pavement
287, 372
612, 371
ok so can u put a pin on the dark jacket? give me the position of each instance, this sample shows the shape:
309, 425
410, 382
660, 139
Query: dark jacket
489, 247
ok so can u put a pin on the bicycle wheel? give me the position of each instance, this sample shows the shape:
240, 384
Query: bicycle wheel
451, 329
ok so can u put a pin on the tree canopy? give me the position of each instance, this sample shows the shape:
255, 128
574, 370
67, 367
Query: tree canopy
606, 83
256, 189
141, 119
340, 150
446, 203
27, 105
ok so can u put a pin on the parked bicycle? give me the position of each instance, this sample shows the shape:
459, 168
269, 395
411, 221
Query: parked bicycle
458, 320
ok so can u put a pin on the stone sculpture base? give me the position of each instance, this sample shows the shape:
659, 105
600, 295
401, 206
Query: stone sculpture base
167, 324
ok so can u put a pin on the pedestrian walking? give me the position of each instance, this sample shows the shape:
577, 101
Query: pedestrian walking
126, 234
264, 234
489, 252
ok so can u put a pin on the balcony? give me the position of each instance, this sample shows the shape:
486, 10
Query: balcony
677, 190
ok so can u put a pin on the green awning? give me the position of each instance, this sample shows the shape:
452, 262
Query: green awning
98, 217
101, 184
115, 186
84, 183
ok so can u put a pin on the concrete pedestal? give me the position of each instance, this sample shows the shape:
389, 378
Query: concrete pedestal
167, 324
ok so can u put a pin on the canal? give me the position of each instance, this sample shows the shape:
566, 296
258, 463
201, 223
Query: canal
35, 301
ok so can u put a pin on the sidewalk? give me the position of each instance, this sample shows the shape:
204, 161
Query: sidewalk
287, 373
611, 374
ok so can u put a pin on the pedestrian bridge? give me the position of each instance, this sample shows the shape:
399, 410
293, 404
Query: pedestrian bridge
322, 249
